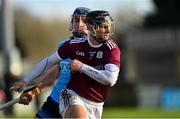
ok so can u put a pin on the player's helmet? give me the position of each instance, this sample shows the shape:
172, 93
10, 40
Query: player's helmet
95, 19
80, 11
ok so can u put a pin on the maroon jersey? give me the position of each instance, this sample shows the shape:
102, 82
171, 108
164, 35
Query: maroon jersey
94, 56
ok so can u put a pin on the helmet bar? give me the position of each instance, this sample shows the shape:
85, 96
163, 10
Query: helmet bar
103, 19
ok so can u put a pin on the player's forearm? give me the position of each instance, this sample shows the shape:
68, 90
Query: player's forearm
41, 67
50, 77
107, 77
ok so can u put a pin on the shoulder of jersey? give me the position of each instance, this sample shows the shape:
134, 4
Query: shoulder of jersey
78, 40
62, 42
111, 44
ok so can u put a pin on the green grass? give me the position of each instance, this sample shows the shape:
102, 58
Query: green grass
139, 113
126, 113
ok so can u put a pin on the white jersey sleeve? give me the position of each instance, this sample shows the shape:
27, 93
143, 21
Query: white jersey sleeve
43, 66
107, 77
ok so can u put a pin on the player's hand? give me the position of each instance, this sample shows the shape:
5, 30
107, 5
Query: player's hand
26, 98
18, 86
75, 65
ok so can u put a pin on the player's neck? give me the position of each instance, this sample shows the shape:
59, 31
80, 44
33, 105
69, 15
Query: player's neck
93, 40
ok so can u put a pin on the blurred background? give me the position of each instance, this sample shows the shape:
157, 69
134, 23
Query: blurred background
147, 32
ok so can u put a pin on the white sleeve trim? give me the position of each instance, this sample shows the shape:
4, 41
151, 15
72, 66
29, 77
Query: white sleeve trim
108, 76
41, 67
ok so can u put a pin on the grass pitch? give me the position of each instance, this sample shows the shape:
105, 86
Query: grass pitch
139, 113
125, 113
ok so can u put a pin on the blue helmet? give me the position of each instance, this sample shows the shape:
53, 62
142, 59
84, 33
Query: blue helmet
81, 11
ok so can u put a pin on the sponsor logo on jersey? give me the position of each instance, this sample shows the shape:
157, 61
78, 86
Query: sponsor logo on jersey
100, 67
65, 67
80, 53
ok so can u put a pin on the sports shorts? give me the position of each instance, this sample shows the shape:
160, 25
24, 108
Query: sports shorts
69, 97
50, 109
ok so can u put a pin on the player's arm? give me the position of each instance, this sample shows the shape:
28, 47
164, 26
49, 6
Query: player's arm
108, 76
42, 67
49, 78
39, 69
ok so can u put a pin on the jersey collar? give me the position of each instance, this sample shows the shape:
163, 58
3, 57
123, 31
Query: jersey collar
90, 43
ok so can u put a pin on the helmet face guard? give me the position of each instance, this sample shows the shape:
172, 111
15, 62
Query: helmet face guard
97, 19
102, 20
79, 12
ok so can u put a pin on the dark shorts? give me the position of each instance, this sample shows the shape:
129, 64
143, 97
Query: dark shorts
50, 109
